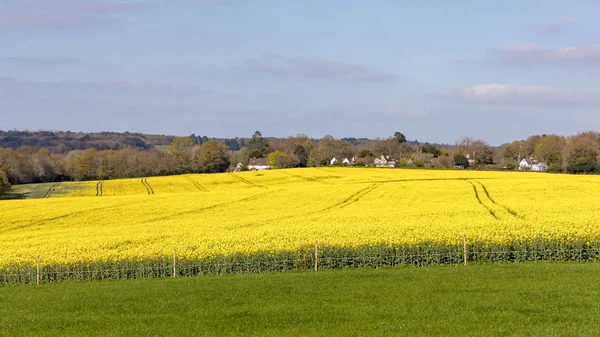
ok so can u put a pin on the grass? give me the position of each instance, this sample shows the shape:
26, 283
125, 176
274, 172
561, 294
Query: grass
26, 191
522, 299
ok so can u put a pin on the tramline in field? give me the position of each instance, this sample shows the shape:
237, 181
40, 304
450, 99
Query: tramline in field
256, 217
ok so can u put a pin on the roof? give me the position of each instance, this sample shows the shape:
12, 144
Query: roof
258, 162
365, 160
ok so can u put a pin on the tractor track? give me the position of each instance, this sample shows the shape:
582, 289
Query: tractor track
487, 193
353, 198
244, 180
50, 190
99, 188
492, 213
195, 183
147, 186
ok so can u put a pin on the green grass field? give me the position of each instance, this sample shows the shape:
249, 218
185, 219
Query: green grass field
526, 299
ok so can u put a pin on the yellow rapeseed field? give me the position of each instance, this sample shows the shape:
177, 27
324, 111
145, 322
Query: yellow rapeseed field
285, 210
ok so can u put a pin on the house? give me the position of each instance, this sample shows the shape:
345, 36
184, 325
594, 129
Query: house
472, 161
540, 167
524, 164
239, 167
385, 161
533, 165
341, 160
258, 164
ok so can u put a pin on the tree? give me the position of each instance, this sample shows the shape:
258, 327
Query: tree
280, 159
582, 158
428, 148
464, 145
4, 184
399, 136
180, 152
365, 153
476, 148
210, 158
302, 154
461, 160
84, 166
549, 150
258, 147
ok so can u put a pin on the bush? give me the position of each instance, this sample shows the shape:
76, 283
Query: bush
460, 160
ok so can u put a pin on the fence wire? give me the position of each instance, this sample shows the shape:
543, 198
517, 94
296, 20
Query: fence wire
332, 258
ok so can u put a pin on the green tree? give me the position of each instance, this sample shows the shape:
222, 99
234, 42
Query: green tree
549, 150
399, 136
582, 158
365, 153
461, 160
302, 154
211, 158
258, 147
180, 152
428, 148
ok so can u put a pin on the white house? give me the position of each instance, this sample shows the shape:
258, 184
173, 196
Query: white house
525, 164
472, 161
533, 165
239, 167
541, 167
258, 164
385, 161
342, 160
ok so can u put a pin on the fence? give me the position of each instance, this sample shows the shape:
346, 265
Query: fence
541, 248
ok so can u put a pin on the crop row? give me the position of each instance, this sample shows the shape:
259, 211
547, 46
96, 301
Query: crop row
541, 248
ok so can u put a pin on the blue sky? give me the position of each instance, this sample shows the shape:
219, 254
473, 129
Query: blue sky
435, 70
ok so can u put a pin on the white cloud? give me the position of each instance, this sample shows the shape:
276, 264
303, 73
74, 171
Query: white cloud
518, 93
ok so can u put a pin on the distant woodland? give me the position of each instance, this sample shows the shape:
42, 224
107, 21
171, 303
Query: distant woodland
51, 156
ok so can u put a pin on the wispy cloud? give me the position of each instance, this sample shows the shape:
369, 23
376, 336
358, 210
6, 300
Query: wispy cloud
315, 68
16, 15
556, 27
519, 93
534, 54
39, 61
9, 85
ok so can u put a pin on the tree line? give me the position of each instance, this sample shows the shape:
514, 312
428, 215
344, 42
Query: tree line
194, 154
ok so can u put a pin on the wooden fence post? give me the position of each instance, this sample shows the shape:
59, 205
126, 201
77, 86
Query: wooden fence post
316, 255
174, 262
465, 249
37, 276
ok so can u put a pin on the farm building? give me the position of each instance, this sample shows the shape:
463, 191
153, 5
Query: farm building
258, 164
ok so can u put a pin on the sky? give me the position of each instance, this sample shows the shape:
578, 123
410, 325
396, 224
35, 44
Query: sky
434, 70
